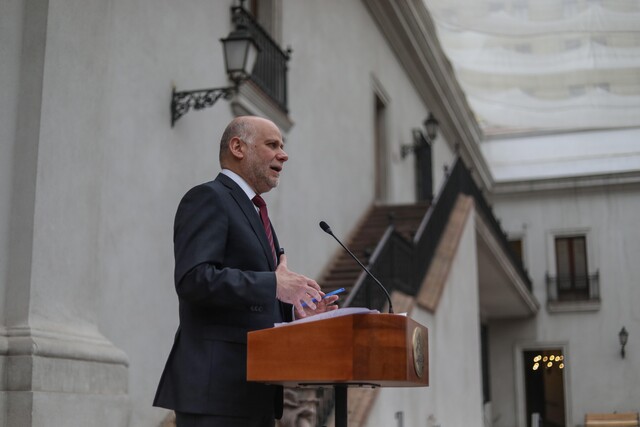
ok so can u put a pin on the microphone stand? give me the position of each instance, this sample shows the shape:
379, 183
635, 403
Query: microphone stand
325, 227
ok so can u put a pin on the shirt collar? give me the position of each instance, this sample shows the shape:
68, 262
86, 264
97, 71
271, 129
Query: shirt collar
241, 182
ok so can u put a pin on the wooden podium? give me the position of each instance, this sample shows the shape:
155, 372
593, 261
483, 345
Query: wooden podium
378, 350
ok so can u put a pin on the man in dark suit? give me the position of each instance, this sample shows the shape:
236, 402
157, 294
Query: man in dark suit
230, 280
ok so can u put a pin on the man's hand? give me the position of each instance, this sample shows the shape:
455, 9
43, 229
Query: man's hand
294, 288
326, 304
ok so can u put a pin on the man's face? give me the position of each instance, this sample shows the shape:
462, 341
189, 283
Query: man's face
265, 157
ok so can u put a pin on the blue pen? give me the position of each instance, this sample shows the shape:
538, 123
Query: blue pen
337, 291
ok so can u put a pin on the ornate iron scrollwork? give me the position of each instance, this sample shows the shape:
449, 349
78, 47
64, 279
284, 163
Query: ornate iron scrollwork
182, 102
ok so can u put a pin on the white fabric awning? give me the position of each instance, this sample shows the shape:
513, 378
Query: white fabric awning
544, 64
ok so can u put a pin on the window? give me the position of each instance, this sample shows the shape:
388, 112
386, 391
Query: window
381, 157
571, 267
574, 287
267, 14
516, 248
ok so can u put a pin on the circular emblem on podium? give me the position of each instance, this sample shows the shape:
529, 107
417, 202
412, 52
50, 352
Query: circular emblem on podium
418, 354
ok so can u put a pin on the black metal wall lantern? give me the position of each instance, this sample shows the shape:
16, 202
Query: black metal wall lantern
623, 335
431, 125
240, 54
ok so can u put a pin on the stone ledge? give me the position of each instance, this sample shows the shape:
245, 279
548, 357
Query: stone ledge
48, 374
23, 341
44, 409
54, 378
572, 306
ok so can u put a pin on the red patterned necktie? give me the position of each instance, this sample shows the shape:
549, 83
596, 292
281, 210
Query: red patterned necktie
264, 216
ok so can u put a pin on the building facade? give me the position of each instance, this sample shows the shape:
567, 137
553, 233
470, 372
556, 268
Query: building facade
570, 202
91, 172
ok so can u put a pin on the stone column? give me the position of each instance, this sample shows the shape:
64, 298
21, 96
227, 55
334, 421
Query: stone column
57, 369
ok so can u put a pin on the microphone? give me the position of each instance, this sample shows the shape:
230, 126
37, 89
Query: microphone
325, 227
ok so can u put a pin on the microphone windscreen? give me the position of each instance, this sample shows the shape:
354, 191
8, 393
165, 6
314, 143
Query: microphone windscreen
325, 227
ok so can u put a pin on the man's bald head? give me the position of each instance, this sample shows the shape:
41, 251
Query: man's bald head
242, 127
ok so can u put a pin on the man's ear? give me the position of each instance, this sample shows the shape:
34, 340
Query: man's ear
237, 148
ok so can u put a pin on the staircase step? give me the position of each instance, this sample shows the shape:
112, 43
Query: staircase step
343, 271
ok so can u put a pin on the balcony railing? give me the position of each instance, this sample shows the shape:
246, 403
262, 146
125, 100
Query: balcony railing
394, 260
428, 236
270, 71
573, 289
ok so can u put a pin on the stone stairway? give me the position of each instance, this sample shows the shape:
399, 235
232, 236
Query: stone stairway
343, 271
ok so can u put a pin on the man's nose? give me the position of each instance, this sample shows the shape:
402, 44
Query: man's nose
283, 156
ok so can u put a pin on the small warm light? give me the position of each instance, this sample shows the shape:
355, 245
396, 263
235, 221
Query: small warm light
544, 359
536, 366
561, 366
552, 358
537, 358
550, 364
560, 358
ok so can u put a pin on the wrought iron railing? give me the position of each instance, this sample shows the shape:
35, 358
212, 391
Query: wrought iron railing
270, 71
575, 288
391, 262
402, 265
459, 181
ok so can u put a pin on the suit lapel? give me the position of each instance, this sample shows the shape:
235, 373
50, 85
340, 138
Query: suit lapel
250, 213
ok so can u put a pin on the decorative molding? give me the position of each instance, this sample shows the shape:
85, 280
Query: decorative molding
26, 341
573, 306
63, 379
572, 183
378, 89
183, 101
300, 407
251, 100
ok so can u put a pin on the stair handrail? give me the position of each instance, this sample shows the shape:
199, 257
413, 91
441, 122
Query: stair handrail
370, 263
391, 247
432, 227
459, 181
433, 224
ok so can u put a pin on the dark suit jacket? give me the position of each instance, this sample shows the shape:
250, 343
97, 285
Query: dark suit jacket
226, 285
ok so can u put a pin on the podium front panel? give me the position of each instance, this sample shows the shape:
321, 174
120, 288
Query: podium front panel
359, 349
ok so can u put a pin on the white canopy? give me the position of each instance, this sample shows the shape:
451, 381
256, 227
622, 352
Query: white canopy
544, 64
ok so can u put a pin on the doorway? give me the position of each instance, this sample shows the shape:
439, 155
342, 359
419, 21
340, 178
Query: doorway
544, 371
424, 174
380, 149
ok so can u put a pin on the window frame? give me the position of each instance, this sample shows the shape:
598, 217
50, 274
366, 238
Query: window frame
589, 303
574, 278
